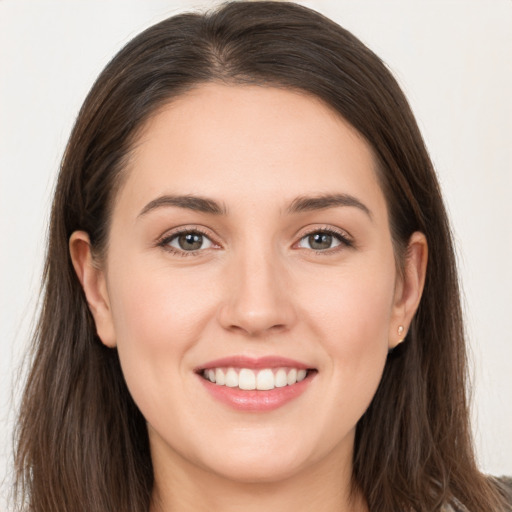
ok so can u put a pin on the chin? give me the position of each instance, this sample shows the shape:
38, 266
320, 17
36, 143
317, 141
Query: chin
254, 470
260, 459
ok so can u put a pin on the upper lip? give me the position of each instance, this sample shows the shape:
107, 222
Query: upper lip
254, 363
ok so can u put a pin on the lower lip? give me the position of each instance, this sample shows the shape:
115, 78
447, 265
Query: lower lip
255, 400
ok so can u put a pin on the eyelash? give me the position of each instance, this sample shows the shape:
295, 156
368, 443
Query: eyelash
167, 239
341, 236
345, 241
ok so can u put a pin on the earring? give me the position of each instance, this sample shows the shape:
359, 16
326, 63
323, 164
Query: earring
400, 330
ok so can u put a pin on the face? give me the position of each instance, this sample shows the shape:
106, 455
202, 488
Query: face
250, 246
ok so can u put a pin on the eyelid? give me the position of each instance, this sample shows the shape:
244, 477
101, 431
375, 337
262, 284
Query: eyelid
164, 240
345, 239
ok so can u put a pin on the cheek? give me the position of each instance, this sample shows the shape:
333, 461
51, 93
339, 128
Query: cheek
154, 306
158, 316
352, 319
355, 306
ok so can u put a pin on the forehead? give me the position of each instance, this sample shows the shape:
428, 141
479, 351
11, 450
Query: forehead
248, 143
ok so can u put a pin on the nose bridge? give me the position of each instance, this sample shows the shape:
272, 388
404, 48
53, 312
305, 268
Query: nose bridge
258, 295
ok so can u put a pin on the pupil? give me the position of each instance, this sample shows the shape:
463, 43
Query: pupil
320, 241
190, 241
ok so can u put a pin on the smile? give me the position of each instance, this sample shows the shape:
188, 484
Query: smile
247, 379
255, 384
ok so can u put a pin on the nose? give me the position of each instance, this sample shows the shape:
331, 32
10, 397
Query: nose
258, 298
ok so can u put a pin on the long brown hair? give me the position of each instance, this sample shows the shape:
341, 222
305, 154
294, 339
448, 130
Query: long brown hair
82, 443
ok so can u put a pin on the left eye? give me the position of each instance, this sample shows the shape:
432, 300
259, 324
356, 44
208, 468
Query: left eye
189, 241
320, 241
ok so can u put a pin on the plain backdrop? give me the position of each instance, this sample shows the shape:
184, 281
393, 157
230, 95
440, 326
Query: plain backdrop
454, 61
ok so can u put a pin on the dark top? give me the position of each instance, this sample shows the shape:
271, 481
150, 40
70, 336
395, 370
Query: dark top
504, 484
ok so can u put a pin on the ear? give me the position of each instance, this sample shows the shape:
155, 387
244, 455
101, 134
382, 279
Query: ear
409, 288
93, 282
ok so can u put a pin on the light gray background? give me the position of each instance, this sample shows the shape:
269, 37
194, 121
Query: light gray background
454, 60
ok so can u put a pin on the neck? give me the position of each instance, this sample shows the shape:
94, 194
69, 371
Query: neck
186, 487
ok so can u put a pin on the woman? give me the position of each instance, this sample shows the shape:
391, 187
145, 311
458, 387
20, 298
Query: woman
251, 297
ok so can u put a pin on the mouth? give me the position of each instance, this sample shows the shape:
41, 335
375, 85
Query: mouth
248, 379
261, 384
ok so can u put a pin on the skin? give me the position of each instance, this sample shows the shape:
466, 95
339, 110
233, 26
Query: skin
259, 288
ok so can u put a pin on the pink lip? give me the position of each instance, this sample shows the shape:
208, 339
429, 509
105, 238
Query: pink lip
254, 363
255, 400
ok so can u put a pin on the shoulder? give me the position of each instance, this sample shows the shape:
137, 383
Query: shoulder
504, 484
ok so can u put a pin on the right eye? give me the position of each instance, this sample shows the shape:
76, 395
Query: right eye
186, 241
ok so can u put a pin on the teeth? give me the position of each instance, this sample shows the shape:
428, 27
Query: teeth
247, 379
231, 378
281, 378
220, 378
265, 380
292, 377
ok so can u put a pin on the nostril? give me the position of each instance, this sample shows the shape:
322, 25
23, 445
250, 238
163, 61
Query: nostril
257, 300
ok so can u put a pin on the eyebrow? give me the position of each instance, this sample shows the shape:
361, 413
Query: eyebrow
189, 202
321, 202
298, 205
